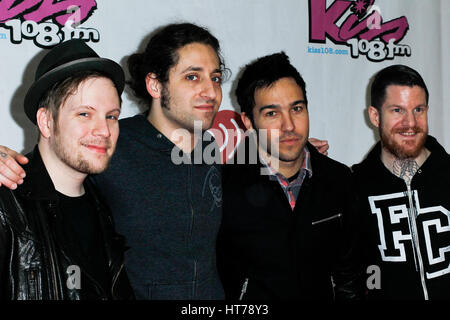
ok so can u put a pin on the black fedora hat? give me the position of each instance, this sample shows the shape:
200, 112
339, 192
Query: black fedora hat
61, 62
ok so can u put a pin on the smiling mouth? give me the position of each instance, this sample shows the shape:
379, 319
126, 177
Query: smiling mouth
408, 134
97, 149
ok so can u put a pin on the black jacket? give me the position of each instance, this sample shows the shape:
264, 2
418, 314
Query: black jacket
283, 254
34, 259
410, 267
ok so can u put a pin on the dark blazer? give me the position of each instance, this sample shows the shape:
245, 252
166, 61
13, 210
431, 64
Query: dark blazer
283, 254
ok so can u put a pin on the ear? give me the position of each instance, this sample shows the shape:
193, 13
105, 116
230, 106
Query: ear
153, 85
246, 120
44, 122
374, 116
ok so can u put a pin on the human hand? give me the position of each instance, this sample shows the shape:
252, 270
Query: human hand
321, 145
11, 173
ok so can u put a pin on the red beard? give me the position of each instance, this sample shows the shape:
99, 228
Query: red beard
404, 150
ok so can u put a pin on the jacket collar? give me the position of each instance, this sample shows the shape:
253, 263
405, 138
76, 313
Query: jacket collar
254, 169
38, 184
142, 130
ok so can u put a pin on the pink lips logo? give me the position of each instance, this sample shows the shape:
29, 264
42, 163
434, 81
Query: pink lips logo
228, 131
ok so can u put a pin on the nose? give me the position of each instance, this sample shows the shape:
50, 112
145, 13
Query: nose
287, 123
409, 119
210, 90
101, 128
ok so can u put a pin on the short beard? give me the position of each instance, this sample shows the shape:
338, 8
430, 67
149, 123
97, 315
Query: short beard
398, 150
75, 161
183, 121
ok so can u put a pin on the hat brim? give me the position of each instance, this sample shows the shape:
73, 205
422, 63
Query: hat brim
105, 66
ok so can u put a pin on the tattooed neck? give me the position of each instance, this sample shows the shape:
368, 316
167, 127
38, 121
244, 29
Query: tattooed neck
405, 169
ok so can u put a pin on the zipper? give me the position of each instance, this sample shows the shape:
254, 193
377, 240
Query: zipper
189, 191
33, 283
53, 271
244, 289
191, 230
116, 276
327, 219
195, 280
413, 227
52, 251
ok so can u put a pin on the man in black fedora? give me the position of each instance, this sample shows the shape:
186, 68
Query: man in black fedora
57, 239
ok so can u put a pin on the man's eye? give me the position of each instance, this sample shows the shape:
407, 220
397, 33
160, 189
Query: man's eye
298, 108
192, 77
217, 79
115, 118
83, 114
397, 110
419, 110
270, 114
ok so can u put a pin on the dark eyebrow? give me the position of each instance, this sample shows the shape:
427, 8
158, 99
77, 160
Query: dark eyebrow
192, 68
269, 106
298, 102
394, 106
275, 106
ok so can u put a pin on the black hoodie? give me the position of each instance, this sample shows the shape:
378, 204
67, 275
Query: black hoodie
410, 247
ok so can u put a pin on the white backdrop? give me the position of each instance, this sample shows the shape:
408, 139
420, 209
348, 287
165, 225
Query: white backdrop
336, 83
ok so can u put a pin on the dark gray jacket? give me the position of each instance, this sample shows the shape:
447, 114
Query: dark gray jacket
169, 214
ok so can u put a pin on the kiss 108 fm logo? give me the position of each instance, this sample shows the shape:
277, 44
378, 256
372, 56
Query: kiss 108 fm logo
361, 28
46, 22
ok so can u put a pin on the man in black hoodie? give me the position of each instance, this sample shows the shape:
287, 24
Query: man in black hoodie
404, 193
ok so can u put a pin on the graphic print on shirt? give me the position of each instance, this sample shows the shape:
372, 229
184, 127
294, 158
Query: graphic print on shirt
213, 185
396, 230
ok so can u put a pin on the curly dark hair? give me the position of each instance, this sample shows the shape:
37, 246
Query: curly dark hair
161, 55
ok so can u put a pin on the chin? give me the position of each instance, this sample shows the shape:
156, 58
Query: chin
94, 167
404, 151
289, 157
